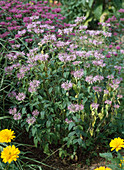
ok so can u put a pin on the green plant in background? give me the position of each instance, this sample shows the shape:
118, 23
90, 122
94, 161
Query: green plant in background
94, 10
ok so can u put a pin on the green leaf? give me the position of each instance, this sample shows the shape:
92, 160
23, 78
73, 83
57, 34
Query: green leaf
42, 114
87, 14
48, 123
98, 11
71, 134
33, 131
23, 110
117, 3
84, 3
46, 149
5, 117
106, 155
71, 125
35, 141
50, 89
66, 74
75, 141
91, 3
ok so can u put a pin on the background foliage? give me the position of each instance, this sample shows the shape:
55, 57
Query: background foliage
94, 10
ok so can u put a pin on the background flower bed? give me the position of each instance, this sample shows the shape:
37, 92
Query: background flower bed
64, 92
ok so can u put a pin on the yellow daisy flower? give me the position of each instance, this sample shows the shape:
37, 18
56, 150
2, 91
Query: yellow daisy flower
9, 154
103, 168
6, 135
117, 144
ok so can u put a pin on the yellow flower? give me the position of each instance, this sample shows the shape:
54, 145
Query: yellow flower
9, 154
117, 144
6, 135
103, 168
122, 162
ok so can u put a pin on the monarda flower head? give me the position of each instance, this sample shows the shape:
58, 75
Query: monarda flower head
66, 85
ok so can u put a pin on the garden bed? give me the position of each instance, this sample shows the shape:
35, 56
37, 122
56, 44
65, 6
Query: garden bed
61, 87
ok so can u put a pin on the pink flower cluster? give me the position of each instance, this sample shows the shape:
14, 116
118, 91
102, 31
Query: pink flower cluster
16, 115
31, 120
28, 18
33, 85
67, 85
90, 79
20, 96
94, 105
78, 74
75, 107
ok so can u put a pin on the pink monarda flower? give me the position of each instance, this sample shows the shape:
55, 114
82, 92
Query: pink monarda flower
116, 81
114, 86
97, 89
20, 96
17, 116
16, 46
116, 106
12, 94
41, 57
110, 46
35, 113
106, 92
99, 63
76, 62
108, 102
115, 33
118, 68
108, 56
18, 16
33, 86
8, 18
22, 32
120, 96
12, 111
89, 79
110, 76
20, 75
68, 121
95, 105
118, 47
78, 73
98, 78
75, 107
121, 10
30, 120
114, 52
29, 40
121, 19
66, 85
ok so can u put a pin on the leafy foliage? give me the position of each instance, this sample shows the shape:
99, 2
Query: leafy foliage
93, 10
65, 85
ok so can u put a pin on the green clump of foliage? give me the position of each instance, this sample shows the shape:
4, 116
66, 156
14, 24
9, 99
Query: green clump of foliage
94, 10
